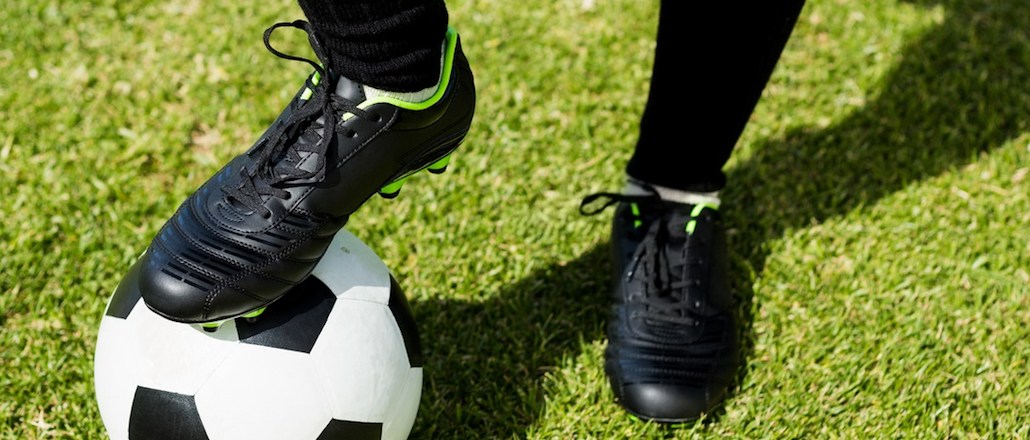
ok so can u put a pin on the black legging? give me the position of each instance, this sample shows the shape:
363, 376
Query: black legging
388, 44
712, 60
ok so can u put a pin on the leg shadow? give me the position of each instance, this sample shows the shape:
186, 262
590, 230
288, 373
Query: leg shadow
488, 358
964, 89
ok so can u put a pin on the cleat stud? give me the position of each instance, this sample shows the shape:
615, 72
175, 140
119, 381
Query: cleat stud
252, 316
392, 189
440, 166
212, 327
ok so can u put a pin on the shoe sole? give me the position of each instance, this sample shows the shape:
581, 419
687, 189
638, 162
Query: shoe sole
673, 422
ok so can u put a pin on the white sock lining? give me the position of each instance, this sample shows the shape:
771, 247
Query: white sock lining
636, 187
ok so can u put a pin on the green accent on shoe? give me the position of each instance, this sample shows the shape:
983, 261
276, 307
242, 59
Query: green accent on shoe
394, 187
440, 165
255, 313
635, 209
700, 207
445, 79
691, 225
308, 92
211, 327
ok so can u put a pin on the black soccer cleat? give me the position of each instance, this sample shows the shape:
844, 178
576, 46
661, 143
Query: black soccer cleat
673, 339
259, 226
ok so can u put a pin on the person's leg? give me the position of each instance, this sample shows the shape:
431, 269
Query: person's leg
712, 61
673, 341
387, 44
392, 94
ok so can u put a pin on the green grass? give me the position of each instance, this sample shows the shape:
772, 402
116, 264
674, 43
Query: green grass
879, 205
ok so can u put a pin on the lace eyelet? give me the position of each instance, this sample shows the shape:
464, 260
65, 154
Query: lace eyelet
350, 133
288, 196
266, 215
376, 117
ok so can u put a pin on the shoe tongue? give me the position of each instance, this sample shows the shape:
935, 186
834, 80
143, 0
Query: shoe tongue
350, 90
676, 225
672, 239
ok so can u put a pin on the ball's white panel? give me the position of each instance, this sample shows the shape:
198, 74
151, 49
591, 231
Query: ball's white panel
358, 369
362, 361
402, 415
262, 393
349, 268
114, 374
176, 357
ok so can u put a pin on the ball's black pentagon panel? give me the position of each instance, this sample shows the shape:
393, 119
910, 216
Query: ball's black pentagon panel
161, 415
406, 322
294, 321
344, 430
126, 295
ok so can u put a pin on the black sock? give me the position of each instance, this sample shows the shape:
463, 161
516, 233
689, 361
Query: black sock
387, 44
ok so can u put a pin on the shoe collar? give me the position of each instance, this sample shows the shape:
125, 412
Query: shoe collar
349, 89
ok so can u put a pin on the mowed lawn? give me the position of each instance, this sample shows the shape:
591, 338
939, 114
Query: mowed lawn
879, 206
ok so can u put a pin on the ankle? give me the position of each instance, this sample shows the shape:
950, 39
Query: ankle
386, 45
415, 96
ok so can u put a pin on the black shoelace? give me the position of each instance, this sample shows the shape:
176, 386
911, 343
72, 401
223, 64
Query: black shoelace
668, 308
278, 156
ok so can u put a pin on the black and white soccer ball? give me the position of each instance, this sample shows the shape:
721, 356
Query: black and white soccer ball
338, 357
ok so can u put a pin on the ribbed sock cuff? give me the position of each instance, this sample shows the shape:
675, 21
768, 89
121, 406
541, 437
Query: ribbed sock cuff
387, 44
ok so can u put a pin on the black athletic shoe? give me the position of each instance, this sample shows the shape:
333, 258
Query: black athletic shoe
259, 226
673, 339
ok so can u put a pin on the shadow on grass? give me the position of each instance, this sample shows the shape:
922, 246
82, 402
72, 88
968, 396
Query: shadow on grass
485, 361
962, 89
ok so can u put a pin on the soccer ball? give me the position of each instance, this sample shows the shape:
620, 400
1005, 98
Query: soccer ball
338, 357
